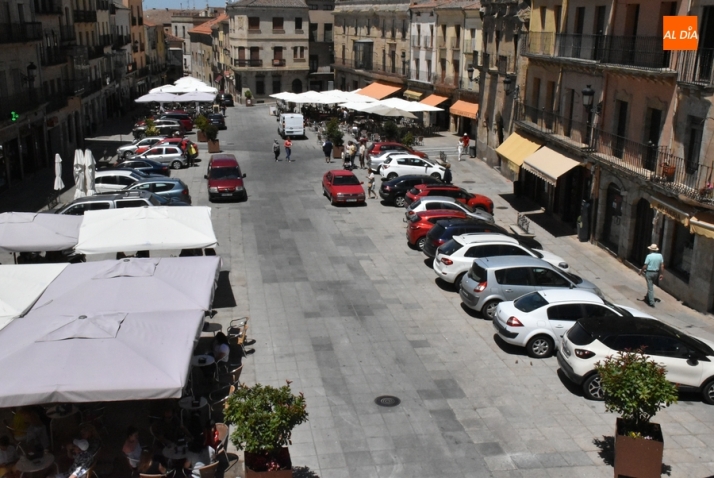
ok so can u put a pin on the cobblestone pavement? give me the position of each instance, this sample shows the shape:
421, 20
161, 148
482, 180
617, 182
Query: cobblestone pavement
342, 307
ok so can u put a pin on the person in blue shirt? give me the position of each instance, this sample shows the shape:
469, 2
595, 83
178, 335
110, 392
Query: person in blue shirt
652, 270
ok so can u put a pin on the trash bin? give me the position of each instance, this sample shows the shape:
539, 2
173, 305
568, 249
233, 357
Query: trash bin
472, 151
584, 222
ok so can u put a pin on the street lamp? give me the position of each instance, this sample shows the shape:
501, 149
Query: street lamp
588, 97
470, 71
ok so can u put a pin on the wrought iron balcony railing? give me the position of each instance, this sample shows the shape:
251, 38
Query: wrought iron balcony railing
248, 62
20, 32
85, 16
696, 67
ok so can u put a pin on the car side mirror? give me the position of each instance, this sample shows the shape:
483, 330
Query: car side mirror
692, 358
244, 175
205, 176
572, 286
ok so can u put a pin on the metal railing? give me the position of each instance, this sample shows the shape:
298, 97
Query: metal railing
696, 67
248, 62
95, 52
549, 122
133, 21
421, 75
105, 40
85, 16
131, 67
416, 41
450, 81
57, 101
395, 68
144, 71
102, 5
455, 43
47, 7
633, 51
53, 56
440, 42
20, 32
278, 62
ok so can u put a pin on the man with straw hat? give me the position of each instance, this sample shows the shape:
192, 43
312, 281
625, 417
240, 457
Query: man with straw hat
652, 269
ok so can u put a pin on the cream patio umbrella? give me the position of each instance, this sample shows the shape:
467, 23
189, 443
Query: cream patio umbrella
59, 184
90, 168
78, 171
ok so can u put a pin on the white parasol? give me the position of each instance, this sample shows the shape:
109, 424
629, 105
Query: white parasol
90, 168
59, 185
78, 171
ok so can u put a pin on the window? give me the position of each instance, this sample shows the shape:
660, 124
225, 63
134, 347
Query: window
328, 32
549, 278
542, 18
404, 29
486, 250
558, 14
514, 276
682, 250
241, 53
277, 53
667, 347
384, 27
313, 6
299, 52
594, 310
160, 187
312, 32
356, 26
570, 312
254, 23
298, 23
260, 86
277, 23
369, 26
125, 180
277, 88
131, 203
511, 250
693, 142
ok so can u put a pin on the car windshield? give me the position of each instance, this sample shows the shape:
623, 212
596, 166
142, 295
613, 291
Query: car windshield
573, 277
225, 173
449, 248
619, 309
530, 302
346, 181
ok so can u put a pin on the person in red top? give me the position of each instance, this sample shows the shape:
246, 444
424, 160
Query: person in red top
211, 436
288, 149
465, 140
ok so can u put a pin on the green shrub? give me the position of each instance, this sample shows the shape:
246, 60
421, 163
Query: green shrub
211, 132
201, 122
334, 134
391, 131
408, 140
248, 95
151, 129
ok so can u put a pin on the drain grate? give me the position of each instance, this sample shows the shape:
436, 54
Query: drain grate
501, 207
469, 182
387, 401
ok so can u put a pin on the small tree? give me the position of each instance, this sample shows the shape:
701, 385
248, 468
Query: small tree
248, 95
391, 131
201, 122
636, 388
264, 418
334, 134
408, 140
151, 129
211, 132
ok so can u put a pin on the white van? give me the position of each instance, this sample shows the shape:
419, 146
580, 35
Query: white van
292, 125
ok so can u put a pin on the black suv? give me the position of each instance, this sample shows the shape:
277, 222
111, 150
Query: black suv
394, 190
445, 229
224, 99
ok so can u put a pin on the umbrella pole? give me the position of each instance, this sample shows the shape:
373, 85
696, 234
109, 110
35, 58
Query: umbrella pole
14, 256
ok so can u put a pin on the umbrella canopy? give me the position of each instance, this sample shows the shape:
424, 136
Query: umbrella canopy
78, 171
59, 184
198, 96
38, 232
97, 357
157, 98
347, 96
313, 97
146, 229
188, 80
286, 96
21, 285
381, 109
411, 106
90, 169
131, 285
185, 88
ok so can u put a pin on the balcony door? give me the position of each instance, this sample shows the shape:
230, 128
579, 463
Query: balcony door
618, 149
653, 123
578, 31
705, 55
599, 32
643, 232
632, 15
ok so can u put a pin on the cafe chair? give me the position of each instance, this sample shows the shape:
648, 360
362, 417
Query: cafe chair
142, 475
217, 399
209, 471
222, 447
232, 377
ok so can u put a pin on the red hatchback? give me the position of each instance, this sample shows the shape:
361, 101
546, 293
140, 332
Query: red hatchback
476, 201
225, 181
342, 186
377, 149
421, 222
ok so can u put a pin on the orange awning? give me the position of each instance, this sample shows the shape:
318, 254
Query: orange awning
464, 108
434, 100
379, 90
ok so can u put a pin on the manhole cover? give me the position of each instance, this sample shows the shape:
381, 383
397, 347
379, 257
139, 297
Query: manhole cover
468, 182
387, 401
501, 207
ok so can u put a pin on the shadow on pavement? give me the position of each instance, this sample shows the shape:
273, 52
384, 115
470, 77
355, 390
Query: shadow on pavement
445, 286
508, 348
223, 298
572, 388
552, 225
520, 203
606, 447
471, 313
304, 472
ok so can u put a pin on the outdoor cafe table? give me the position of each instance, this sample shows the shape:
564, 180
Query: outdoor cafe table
25, 465
174, 452
187, 403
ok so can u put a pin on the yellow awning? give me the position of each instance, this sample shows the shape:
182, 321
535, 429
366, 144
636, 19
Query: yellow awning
515, 149
464, 108
434, 100
548, 165
413, 95
379, 90
672, 208
703, 224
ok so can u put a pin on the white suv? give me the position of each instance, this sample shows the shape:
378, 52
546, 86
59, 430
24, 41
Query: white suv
688, 361
538, 321
455, 258
403, 164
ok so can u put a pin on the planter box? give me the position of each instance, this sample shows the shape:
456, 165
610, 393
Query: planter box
249, 102
637, 457
284, 458
214, 146
337, 152
201, 136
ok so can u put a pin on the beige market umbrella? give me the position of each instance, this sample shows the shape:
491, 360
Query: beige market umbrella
59, 184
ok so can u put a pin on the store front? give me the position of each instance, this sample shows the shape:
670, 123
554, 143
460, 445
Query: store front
463, 119
511, 154
437, 119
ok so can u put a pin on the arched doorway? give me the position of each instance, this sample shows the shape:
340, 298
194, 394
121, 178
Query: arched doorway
613, 214
297, 86
643, 232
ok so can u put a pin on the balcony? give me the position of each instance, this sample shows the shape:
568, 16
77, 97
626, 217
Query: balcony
53, 56
85, 16
656, 164
695, 67
92, 86
416, 41
135, 48
424, 76
441, 42
57, 101
95, 52
447, 81
48, 7
390, 68
20, 32
105, 40
20, 103
327, 37
102, 5
67, 34
455, 43
250, 63
639, 52
278, 62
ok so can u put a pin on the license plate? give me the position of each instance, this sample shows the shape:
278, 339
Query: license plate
351, 200
227, 194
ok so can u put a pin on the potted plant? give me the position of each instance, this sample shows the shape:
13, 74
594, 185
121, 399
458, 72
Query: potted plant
408, 140
336, 137
636, 388
248, 98
214, 145
391, 131
263, 418
201, 122
151, 129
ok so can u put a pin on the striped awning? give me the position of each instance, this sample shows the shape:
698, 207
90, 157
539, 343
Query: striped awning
465, 109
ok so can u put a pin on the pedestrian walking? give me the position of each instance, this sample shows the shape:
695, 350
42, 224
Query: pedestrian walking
223, 110
652, 270
447, 174
362, 153
288, 149
276, 150
466, 141
327, 149
353, 153
370, 185
460, 149
191, 153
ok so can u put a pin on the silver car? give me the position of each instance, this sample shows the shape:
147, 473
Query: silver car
492, 280
168, 154
127, 150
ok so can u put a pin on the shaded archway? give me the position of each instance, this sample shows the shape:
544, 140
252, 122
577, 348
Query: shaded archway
613, 215
297, 86
643, 232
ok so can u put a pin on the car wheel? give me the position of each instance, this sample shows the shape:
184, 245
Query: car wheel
391, 176
592, 388
436, 175
176, 165
421, 243
488, 311
708, 392
400, 201
459, 278
540, 346
332, 201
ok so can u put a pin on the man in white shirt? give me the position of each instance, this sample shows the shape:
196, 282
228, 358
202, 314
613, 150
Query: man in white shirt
199, 456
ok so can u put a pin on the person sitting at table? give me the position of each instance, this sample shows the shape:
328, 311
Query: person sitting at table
169, 429
221, 351
199, 456
132, 448
152, 464
211, 437
82, 460
88, 432
8, 457
36, 432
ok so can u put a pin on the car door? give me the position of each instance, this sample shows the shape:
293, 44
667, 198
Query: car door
327, 184
515, 282
673, 355
106, 184
417, 166
140, 165
173, 153
154, 153
123, 182
549, 279
563, 316
162, 188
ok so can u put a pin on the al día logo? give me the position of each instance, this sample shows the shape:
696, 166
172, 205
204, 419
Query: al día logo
680, 33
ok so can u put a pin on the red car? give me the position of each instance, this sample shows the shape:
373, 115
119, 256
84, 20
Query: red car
421, 222
180, 142
378, 149
476, 201
225, 180
342, 186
